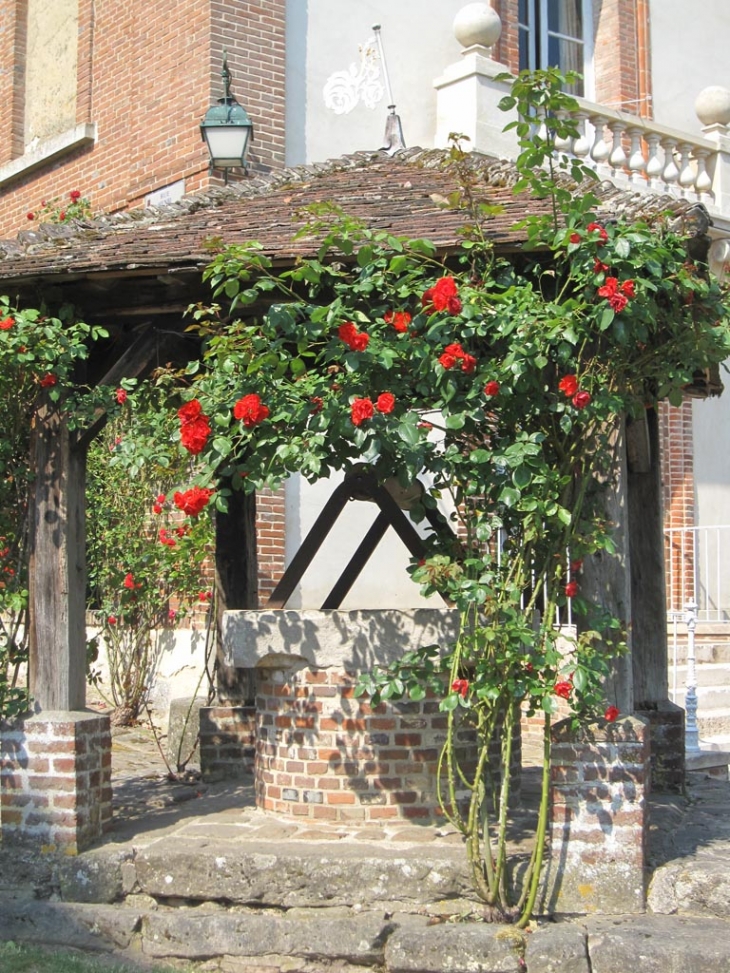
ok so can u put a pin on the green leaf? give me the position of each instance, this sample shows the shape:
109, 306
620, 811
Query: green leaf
456, 421
509, 496
622, 247
607, 316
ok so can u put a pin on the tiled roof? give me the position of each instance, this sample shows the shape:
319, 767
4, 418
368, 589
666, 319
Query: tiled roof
405, 195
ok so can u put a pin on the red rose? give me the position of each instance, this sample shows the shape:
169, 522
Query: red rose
129, 580
399, 319
121, 396
568, 385
443, 296
30, 216
491, 388
48, 381
575, 237
250, 410
62, 216
576, 566
596, 227
611, 713
618, 302
192, 501
7, 324
111, 620
468, 363
74, 195
599, 267
354, 339
385, 402
156, 508
360, 341
317, 404
581, 399
447, 360
191, 410
609, 288
194, 434
460, 686
563, 689
627, 288
571, 589
360, 410
160, 498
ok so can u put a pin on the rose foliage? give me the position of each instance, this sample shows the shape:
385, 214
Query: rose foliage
507, 380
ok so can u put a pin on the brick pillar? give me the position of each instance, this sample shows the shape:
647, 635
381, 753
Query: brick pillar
322, 753
227, 739
666, 722
55, 780
599, 826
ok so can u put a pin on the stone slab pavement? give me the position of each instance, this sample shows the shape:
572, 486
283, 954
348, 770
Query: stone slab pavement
194, 874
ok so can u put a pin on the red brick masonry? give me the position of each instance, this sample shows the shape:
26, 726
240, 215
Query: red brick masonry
55, 780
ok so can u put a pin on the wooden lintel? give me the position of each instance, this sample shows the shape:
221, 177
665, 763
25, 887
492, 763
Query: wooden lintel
136, 362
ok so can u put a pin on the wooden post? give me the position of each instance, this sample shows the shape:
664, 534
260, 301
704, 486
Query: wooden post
236, 571
648, 594
57, 570
605, 579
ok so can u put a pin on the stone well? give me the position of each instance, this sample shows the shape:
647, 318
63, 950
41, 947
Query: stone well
321, 752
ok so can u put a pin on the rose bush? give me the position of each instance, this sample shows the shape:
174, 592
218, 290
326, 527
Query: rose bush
505, 380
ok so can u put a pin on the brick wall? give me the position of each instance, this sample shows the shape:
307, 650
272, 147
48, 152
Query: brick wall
678, 498
271, 540
147, 72
55, 780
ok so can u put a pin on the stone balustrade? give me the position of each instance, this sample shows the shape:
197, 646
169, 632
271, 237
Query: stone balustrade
637, 151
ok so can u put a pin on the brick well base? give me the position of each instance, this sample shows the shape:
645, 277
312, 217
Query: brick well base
323, 754
227, 741
55, 780
599, 826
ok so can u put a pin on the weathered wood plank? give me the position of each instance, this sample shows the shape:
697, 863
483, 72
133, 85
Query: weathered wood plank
57, 587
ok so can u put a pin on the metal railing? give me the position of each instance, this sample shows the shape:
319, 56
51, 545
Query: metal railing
697, 567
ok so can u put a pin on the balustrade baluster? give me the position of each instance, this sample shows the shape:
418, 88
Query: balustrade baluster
637, 162
617, 158
687, 173
601, 149
703, 182
654, 164
670, 172
582, 145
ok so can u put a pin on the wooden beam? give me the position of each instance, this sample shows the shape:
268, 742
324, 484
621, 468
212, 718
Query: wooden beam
137, 361
57, 568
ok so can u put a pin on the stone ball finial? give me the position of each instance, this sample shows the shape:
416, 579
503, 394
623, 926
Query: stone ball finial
712, 105
477, 24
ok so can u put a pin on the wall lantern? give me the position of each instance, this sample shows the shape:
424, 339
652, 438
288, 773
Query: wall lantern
227, 129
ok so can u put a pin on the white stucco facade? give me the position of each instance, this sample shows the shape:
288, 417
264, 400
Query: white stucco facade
689, 52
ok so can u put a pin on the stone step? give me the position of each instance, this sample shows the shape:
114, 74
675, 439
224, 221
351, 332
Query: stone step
708, 698
705, 652
713, 724
706, 673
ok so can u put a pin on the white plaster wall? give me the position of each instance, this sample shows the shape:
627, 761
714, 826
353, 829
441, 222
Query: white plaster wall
384, 582
178, 670
690, 45
323, 36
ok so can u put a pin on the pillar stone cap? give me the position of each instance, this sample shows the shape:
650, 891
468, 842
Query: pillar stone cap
712, 105
477, 24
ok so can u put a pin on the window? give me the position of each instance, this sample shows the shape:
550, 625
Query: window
558, 33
